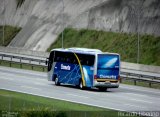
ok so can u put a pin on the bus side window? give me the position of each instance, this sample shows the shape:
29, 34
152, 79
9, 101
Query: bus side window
62, 59
90, 60
71, 60
83, 62
68, 60
87, 62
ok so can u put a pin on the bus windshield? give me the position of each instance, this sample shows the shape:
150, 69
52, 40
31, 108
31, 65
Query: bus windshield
108, 66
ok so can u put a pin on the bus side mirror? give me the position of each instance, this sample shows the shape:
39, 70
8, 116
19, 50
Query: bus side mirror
47, 61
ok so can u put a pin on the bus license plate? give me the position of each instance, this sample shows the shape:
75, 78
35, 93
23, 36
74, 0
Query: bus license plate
107, 82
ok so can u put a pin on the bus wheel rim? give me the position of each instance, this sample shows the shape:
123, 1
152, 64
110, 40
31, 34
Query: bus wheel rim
81, 86
56, 81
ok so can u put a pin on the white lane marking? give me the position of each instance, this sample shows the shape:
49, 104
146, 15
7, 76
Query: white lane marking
64, 99
145, 97
20, 77
3, 73
6, 78
134, 105
77, 95
29, 72
37, 83
95, 93
141, 95
138, 100
133, 99
28, 87
40, 79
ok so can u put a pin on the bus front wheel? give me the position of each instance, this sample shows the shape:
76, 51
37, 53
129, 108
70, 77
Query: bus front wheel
57, 81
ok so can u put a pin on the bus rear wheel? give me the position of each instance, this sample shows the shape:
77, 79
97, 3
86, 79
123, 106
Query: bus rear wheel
57, 82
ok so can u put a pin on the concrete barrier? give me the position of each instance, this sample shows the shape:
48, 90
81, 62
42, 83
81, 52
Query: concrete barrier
14, 50
140, 67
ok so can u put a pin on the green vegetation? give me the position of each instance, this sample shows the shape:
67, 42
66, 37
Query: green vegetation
29, 105
122, 43
20, 2
9, 33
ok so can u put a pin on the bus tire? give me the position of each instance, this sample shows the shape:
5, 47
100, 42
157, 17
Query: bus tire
57, 81
102, 88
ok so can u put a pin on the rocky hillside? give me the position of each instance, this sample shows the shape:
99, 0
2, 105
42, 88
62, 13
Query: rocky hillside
130, 16
43, 20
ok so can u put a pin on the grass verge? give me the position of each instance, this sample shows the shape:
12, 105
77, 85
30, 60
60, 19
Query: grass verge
29, 105
9, 33
122, 43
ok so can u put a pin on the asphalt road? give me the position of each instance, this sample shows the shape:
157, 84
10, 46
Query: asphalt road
125, 98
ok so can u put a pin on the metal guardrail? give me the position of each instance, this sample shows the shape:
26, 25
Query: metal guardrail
24, 60
151, 79
33, 61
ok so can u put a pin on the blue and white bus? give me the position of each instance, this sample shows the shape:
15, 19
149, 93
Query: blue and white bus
84, 67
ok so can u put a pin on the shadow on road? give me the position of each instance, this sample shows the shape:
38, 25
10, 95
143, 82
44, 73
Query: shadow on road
109, 90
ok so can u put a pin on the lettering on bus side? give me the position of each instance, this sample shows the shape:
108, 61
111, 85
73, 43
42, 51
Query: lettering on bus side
65, 67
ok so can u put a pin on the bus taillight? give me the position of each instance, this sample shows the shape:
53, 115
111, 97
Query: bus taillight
95, 77
119, 78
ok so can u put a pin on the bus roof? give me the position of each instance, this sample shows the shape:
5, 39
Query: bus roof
82, 51
110, 53
79, 50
